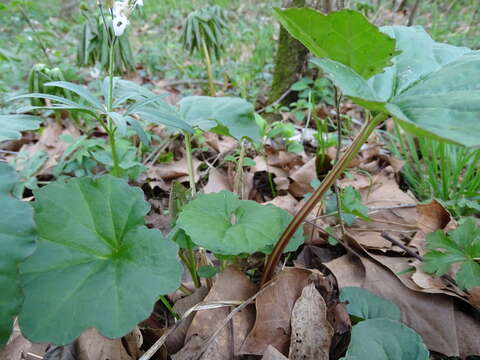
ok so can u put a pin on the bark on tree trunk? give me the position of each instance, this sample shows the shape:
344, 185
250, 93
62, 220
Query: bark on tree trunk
289, 63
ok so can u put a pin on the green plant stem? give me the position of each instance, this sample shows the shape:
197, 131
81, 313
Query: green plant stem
208, 62
39, 39
191, 170
169, 307
116, 171
318, 194
237, 183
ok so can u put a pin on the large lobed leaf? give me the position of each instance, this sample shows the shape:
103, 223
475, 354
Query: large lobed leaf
96, 265
12, 125
17, 241
385, 339
222, 223
432, 89
344, 36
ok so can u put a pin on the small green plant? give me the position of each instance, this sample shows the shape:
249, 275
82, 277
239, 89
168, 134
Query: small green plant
93, 46
28, 167
448, 172
204, 32
460, 246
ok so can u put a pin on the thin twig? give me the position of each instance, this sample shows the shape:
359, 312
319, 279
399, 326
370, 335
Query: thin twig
412, 253
337, 158
280, 99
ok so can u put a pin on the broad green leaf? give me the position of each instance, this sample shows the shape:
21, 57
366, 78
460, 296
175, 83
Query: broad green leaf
12, 125
225, 115
461, 245
159, 115
344, 36
366, 305
432, 89
385, 339
223, 224
17, 241
96, 265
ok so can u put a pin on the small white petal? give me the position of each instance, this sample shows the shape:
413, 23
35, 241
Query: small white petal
119, 8
139, 2
120, 23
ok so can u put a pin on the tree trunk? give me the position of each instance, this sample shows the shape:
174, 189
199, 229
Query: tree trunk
289, 63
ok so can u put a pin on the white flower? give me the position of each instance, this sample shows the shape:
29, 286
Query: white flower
139, 2
120, 23
119, 8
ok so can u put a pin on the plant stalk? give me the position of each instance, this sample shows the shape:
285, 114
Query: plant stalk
191, 170
318, 194
208, 62
116, 171
237, 183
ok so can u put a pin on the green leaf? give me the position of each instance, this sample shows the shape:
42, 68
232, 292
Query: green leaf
352, 203
80, 91
344, 36
385, 339
96, 265
432, 89
17, 242
207, 271
366, 305
461, 245
224, 115
12, 125
223, 224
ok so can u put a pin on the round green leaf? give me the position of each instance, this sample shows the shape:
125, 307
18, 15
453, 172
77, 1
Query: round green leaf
366, 305
224, 115
17, 241
223, 224
96, 265
385, 339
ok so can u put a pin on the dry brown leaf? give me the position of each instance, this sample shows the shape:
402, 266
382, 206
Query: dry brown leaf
173, 170
17, 346
273, 354
93, 346
433, 316
217, 181
286, 202
262, 165
221, 144
385, 195
134, 342
274, 308
177, 339
231, 284
433, 216
302, 179
311, 332
49, 142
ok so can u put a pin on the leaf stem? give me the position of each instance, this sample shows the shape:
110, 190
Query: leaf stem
318, 194
190, 168
208, 62
237, 183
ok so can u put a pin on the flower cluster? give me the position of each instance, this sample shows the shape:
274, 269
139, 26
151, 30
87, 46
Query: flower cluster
120, 12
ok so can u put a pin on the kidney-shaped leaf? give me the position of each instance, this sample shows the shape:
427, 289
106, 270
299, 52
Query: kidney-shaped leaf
225, 115
17, 241
222, 223
385, 339
12, 125
344, 36
432, 89
366, 305
96, 265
